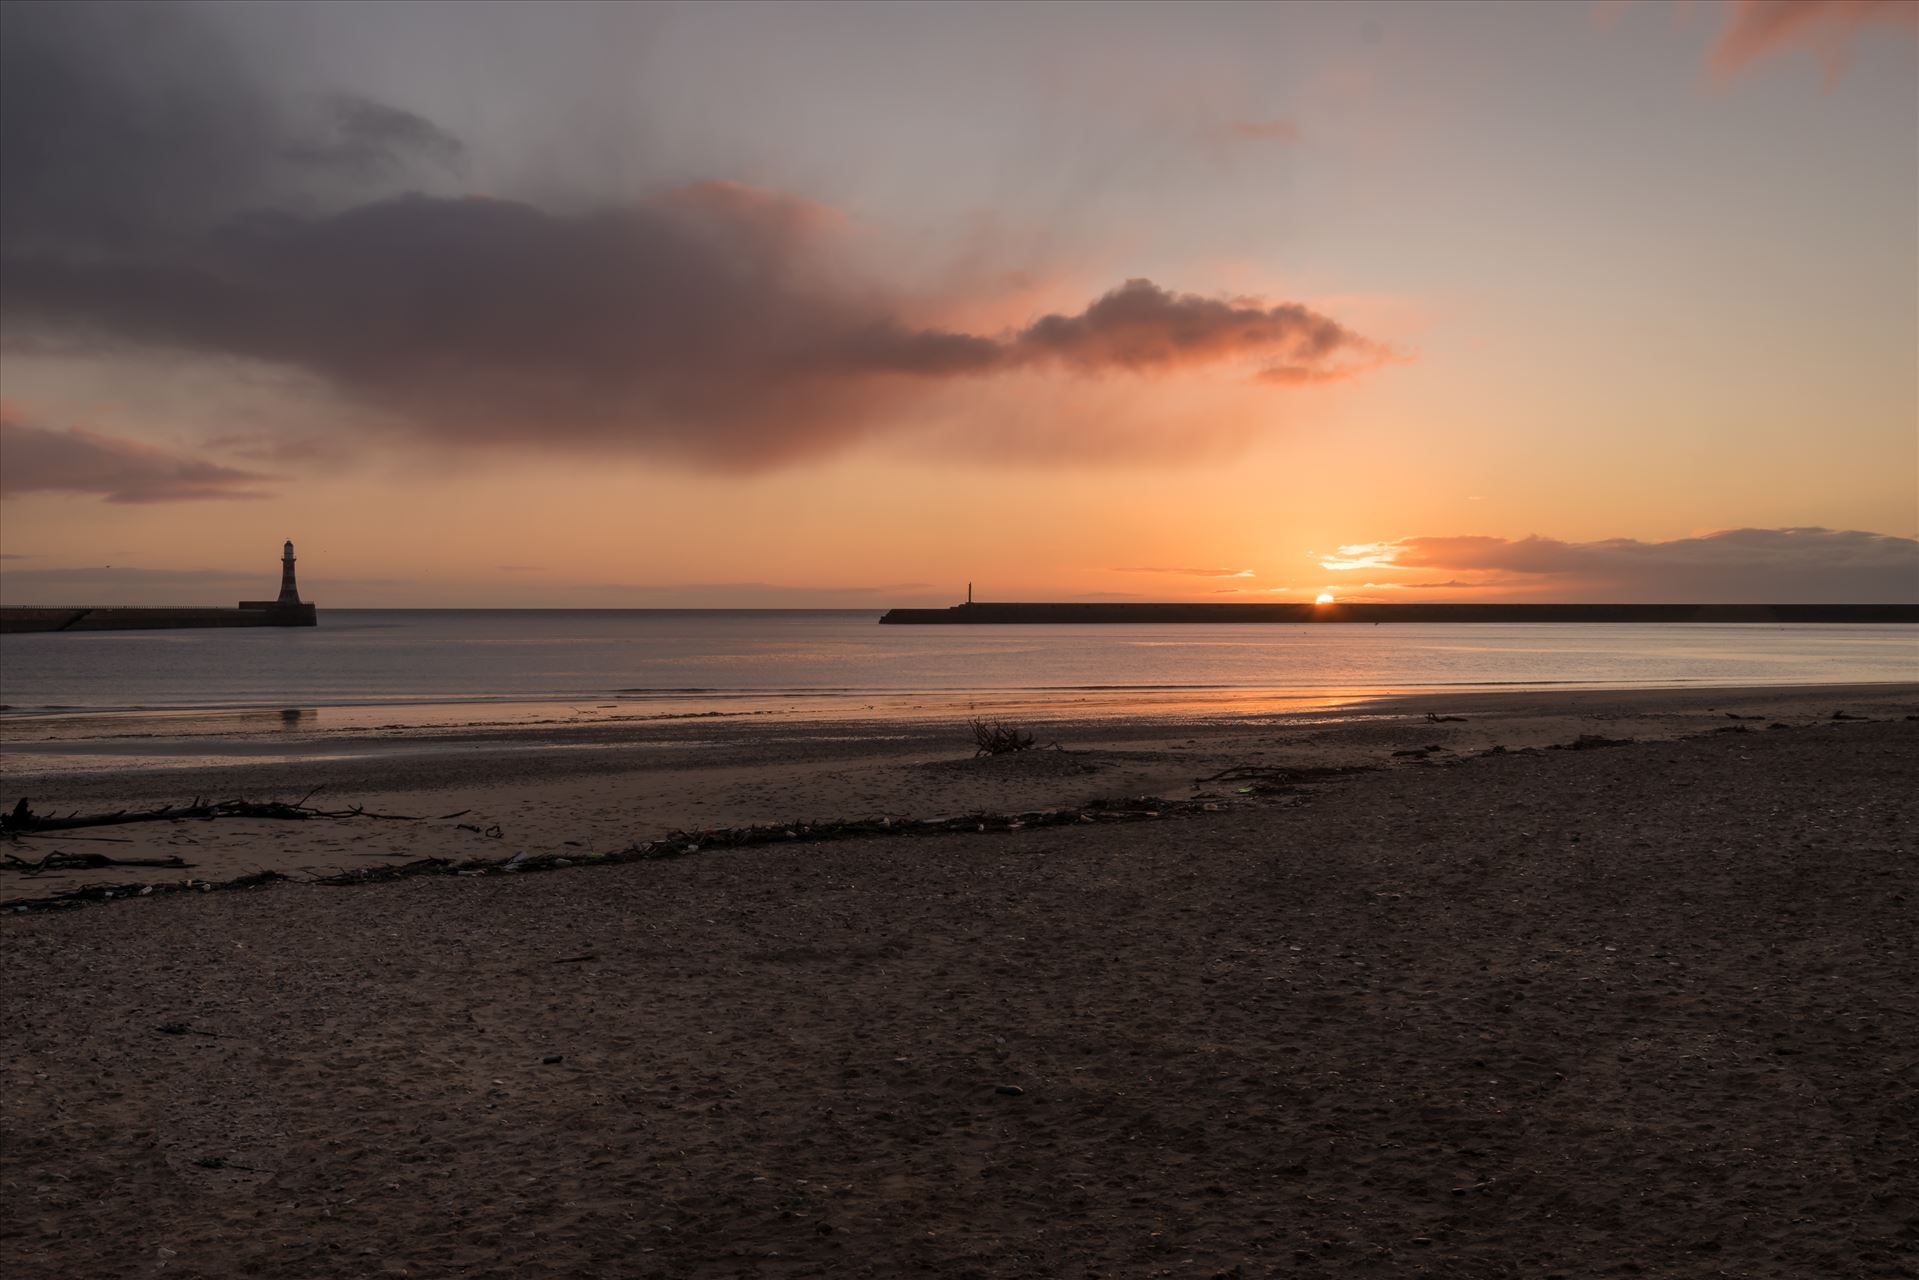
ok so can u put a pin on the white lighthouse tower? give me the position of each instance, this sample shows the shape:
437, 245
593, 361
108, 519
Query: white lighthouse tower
289, 593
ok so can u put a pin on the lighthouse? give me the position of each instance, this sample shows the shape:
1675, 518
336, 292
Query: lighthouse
287, 611
289, 594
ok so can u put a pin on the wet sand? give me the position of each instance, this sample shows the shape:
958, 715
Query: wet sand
1639, 1010
567, 789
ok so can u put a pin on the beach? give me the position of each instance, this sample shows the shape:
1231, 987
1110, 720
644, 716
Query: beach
1597, 1007
552, 783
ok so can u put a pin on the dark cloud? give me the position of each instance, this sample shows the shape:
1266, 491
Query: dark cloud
130, 127
371, 139
696, 325
39, 460
1764, 566
1141, 326
1755, 29
165, 201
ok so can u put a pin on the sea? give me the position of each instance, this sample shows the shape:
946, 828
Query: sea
394, 668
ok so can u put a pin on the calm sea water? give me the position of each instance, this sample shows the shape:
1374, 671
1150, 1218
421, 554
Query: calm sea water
692, 659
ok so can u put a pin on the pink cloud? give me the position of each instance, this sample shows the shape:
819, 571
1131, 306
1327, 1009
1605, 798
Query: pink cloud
44, 460
1757, 29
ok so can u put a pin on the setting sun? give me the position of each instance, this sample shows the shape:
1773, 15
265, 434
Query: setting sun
1324, 597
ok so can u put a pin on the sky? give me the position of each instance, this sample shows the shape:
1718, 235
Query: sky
578, 305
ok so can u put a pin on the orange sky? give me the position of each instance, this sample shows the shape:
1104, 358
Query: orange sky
854, 327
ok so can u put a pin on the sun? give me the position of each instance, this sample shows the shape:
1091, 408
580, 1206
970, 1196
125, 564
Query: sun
1324, 597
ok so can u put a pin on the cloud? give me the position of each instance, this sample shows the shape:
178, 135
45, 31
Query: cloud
267, 447
370, 139
1756, 29
1755, 566
42, 460
1458, 584
157, 198
133, 125
1141, 326
1360, 555
1191, 573
701, 325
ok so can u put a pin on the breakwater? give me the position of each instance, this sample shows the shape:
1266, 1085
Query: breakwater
1014, 613
285, 610
14, 620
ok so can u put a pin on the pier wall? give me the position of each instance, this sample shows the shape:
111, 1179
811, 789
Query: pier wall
1047, 613
129, 618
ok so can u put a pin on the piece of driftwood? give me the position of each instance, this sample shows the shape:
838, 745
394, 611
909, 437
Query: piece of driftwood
1589, 742
996, 739
59, 860
21, 819
1266, 779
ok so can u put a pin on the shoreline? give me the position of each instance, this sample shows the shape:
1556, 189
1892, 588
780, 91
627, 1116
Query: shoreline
565, 789
636, 706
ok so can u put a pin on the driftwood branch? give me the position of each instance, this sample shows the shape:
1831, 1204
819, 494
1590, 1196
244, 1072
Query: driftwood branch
61, 861
1264, 779
996, 739
22, 820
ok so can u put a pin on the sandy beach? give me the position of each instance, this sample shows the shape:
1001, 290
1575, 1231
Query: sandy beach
1644, 1009
493, 787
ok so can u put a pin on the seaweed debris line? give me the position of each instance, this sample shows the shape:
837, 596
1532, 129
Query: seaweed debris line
287, 610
